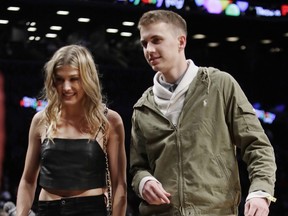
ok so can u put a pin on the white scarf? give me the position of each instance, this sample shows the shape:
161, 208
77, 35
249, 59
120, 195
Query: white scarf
171, 103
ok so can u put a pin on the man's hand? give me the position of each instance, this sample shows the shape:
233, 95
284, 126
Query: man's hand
257, 207
154, 193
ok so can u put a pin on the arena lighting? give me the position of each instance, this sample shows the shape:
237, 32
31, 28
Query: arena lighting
28, 102
232, 39
83, 19
199, 2
51, 35
225, 3
260, 11
31, 23
224, 7
213, 7
159, 3
37, 38
267, 117
56, 28
13, 8
243, 6
232, 10
178, 4
266, 41
199, 36
126, 34
213, 44
31, 29
128, 23
279, 108
240, 7
111, 30
4, 21
62, 12
227, 6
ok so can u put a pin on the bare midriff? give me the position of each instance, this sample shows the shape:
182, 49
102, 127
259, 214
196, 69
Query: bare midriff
52, 194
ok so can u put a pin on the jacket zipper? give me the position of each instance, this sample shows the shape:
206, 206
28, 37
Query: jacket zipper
180, 167
180, 185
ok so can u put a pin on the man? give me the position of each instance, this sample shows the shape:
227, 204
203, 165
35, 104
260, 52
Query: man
185, 131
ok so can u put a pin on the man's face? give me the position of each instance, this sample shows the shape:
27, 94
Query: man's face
160, 45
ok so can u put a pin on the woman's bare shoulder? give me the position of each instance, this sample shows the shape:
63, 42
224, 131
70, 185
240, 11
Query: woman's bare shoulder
114, 117
37, 124
38, 117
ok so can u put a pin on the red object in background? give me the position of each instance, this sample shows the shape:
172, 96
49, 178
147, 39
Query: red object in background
2, 124
284, 10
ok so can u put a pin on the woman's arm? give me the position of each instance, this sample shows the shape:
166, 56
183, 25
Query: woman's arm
28, 181
117, 163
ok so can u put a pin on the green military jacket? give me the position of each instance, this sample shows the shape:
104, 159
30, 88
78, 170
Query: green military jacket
196, 160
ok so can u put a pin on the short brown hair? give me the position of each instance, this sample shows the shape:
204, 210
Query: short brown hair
155, 16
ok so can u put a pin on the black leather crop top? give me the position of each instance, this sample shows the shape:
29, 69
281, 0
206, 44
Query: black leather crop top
72, 164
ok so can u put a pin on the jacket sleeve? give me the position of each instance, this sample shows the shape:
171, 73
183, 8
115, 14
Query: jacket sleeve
249, 135
139, 165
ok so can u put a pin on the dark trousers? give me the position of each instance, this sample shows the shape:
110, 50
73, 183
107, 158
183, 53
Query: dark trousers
75, 206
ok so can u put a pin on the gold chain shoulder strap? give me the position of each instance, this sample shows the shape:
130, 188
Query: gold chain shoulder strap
108, 179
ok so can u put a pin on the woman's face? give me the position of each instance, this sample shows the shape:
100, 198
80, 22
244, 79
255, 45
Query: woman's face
69, 86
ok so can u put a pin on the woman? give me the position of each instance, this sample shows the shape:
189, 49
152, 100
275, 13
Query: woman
68, 142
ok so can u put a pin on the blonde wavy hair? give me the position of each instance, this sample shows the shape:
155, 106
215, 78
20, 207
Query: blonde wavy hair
80, 58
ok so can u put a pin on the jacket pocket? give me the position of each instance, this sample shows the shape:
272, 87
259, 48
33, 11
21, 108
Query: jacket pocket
250, 118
